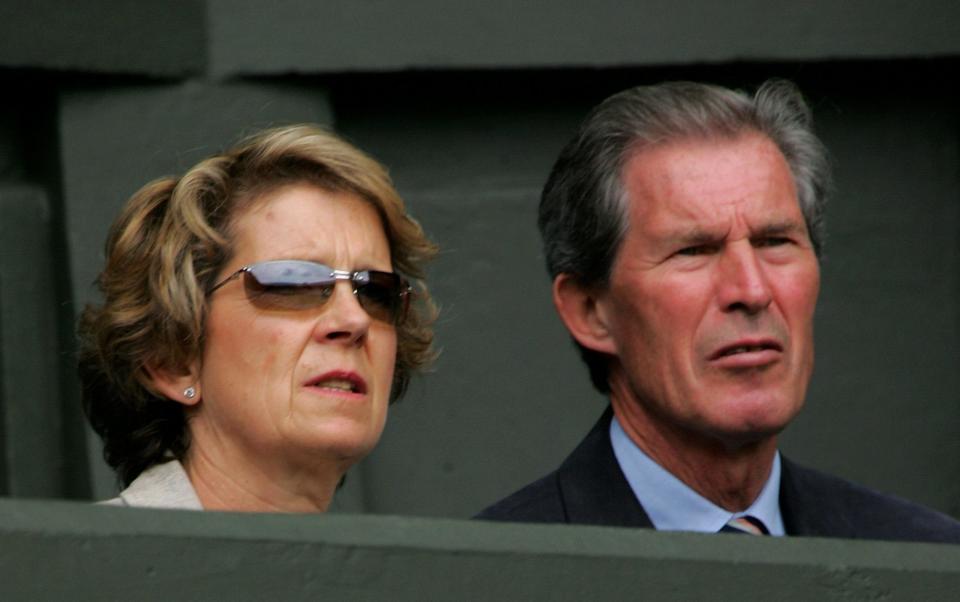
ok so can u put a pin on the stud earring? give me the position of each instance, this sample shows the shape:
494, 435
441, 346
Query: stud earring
189, 392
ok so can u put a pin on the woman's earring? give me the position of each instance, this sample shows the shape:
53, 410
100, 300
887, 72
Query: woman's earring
189, 392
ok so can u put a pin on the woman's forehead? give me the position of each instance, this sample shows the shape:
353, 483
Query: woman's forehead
307, 222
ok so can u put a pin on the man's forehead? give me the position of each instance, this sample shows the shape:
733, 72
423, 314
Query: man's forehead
699, 158
693, 185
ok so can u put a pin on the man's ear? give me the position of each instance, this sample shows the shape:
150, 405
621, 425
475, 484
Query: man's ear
176, 385
583, 314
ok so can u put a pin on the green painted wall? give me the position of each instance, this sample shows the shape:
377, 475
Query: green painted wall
105, 36
29, 391
469, 108
284, 36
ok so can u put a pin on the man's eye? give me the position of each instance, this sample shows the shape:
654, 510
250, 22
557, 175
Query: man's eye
695, 250
772, 241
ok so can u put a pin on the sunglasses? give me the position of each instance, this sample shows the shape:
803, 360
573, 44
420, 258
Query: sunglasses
297, 284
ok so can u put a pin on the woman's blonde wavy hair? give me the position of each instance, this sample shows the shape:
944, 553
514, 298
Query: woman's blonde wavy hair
164, 251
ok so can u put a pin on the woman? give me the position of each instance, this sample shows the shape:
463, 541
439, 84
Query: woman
259, 314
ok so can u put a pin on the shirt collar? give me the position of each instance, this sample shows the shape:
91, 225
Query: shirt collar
673, 506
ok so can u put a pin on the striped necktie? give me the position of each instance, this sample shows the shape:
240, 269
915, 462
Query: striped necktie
748, 525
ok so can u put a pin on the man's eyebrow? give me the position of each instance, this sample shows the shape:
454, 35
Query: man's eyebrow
697, 235
780, 228
691, 236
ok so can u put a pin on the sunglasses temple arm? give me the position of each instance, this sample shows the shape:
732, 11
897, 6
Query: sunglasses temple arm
232, 276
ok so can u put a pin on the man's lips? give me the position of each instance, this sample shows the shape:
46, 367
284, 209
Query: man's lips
748, 351
339, 380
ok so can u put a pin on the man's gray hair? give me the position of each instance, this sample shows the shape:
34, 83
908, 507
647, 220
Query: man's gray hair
583, 208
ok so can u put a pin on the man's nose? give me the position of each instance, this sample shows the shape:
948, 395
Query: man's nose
744, 283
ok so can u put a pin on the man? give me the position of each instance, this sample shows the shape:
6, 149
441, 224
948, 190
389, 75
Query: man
682, 227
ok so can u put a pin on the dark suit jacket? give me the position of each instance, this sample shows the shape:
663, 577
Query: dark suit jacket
590, 489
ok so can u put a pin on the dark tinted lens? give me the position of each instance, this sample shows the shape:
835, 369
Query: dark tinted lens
289, 284
291, 273
294, 284
380, 294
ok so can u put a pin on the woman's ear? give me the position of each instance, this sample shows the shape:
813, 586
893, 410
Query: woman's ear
176, 386
581, 309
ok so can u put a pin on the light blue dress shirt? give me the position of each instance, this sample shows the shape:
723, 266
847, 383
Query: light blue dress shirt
673, 506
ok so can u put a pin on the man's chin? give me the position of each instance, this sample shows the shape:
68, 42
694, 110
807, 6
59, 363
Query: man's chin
747, 436
752, 419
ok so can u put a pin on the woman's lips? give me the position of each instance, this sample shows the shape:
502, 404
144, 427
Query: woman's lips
340, 381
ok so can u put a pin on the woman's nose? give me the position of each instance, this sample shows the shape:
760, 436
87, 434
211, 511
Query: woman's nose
342, 318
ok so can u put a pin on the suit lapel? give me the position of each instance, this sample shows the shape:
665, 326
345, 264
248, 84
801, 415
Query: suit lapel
808, 507
593, 489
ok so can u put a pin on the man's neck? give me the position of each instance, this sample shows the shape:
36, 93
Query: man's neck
729, 475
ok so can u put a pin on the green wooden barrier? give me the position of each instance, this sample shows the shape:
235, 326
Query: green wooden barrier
63, 550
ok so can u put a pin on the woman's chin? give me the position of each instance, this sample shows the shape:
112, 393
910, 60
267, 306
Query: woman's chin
340, 440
